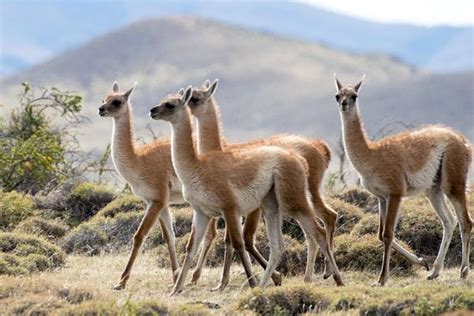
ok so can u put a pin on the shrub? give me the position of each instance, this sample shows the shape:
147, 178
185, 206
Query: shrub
85, 200
367, 225
420, 227
365, 254
183, 220
124, 204
284, 300
33, 152
360, 198
50, 229
103, 234
26, 253
14, 207
348, 215
293, 260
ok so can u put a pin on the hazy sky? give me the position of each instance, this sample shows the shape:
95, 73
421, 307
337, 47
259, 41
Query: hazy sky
421, 12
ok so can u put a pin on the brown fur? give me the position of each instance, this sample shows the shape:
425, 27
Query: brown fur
210, 184
315, 154
431, 160
146, 166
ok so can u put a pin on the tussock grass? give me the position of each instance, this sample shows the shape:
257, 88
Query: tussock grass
22, 254
358, 197
14, 207
84, 287
49, 229
123, 204
85, 200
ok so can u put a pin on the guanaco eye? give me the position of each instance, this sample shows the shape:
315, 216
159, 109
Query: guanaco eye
194, 100
116, 103
338, 97
169, 106
353, 97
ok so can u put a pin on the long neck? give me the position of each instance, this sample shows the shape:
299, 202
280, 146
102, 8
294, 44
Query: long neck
209, 128
123, 149
183, 152
355, 138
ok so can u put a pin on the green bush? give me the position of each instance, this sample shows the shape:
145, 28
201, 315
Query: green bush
183, 220
23, 253
33, 152
293, 260
365, 254
50, 229
286, 300
85, 200
103, 234
367, 225
348, 215
420, 227
124, 204
14, 207
360, 198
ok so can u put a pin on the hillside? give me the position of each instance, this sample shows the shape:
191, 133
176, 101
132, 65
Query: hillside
439, 48
267, 84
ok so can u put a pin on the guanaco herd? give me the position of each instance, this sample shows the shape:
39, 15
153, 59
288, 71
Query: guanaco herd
279, 176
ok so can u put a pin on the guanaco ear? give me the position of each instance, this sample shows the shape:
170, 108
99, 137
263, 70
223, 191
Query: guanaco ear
181, 92
129, 92
338, 84
115, 87
357, 85
187, 95
207, 83
212, 88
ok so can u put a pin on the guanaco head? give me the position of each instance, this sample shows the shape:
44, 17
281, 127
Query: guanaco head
171, 105
116, 103
201, 95
346, 96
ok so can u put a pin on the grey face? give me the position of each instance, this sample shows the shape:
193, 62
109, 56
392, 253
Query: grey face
346, 98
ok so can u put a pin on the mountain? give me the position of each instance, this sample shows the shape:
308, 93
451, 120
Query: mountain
268, 84
443, 49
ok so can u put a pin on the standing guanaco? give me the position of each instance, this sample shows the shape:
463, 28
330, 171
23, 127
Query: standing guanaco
432, 160
234, 183
317, 154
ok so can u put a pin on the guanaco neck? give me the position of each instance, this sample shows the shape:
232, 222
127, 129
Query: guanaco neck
356, 142
183, 152
123, 148
209, 128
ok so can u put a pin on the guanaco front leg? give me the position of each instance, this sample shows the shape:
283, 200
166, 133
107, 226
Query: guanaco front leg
395, 244
200, 223
234, 229
388, 234
152, 212
206, 246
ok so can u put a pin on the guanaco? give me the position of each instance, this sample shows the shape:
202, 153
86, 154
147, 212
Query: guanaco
433, 160
234, 183
317, 154
149, 172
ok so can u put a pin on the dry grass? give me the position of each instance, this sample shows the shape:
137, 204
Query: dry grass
85, 284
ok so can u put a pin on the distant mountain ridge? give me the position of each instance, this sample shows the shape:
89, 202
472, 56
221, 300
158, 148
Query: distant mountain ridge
442, 49
268, 84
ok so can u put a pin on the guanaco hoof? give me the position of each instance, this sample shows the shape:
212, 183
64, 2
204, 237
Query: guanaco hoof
424, 263
277, 279
433, 275
119, 286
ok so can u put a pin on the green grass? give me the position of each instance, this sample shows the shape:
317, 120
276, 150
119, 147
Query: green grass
14, 207
85, 285
23, 254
